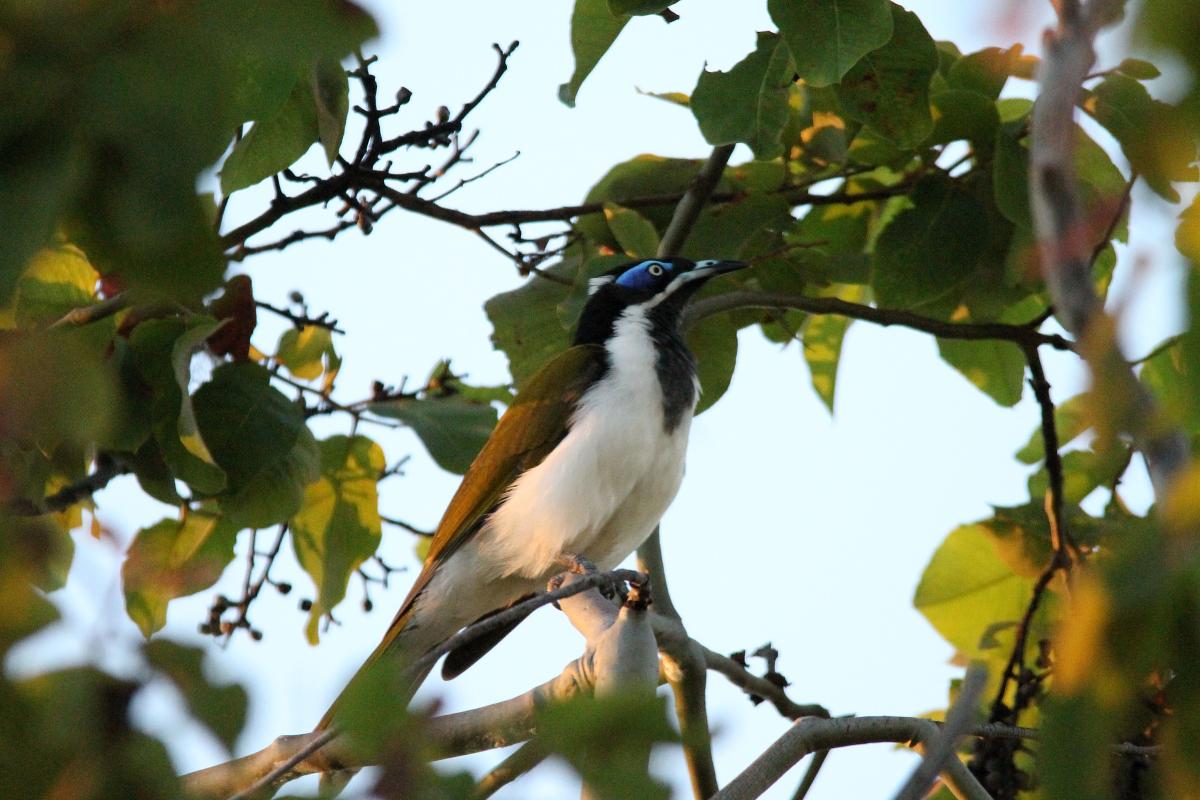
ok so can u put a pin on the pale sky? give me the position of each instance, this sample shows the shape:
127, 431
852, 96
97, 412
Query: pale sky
792, 527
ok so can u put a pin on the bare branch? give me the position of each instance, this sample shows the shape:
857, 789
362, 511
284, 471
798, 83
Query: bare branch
524, 759
940, 749
303, 320
729, 301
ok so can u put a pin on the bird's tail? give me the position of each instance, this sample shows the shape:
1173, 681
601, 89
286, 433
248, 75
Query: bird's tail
386, 670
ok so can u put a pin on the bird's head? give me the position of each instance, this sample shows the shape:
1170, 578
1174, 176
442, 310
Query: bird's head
657, 286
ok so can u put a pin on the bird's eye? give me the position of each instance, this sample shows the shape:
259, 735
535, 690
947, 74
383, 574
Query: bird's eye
656, 270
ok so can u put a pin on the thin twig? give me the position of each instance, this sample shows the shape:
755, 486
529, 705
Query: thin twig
941, 749
93, 313
521, 761
272, 777
107, 466
810, 774
301, 321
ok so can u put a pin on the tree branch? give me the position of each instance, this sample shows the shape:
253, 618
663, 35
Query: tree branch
1063, 243
1025, 335
940, 750
107, 467
93, 313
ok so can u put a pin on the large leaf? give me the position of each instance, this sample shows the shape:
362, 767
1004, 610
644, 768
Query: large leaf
635, 233
996, 368
174, 558
930, 248
714, 341
453, 429
258, 437
304, 352
275, 143
828, 37
221, 707
638, 177
889, 88
1123, 106
593, 30
57, 281
968, 589
749, 103
338, 526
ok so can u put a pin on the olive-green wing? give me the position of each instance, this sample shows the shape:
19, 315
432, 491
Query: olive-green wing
533, 426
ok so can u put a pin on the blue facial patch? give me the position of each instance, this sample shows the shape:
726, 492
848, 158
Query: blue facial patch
642, 276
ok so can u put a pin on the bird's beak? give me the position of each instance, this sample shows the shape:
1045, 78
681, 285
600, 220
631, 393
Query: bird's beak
709, 269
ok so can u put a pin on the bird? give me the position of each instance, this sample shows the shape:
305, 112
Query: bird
579, 470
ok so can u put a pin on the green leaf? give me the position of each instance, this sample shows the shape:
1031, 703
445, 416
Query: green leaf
996, 368
303, 351
750, 102
960, 114
338, 526
275, 143
1084, 471
221, 708
1123, 106
171, 559
1071, 420
24, 542
967, 588
931, 248
638, 177
986, 71
331, 96
889, 88
452, 429
162, 350
731, 230
34, 189
525, 321
828, 37
53, 390
823, 336
1137, 68
58, 280
714, 341
258, 437
593, 30
633, 232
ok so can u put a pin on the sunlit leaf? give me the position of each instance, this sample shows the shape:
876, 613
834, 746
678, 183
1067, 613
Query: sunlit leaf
338, 527
171, 559
58, 280
303, 351
828, 37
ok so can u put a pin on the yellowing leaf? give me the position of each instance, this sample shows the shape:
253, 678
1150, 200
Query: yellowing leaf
302, 351
338, 527
57, 280
174, 558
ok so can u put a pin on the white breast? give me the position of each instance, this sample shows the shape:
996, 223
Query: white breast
600, 493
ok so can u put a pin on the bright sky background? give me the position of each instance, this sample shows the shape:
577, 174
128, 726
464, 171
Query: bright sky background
792, 527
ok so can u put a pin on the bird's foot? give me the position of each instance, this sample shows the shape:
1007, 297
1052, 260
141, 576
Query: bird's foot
575, 564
